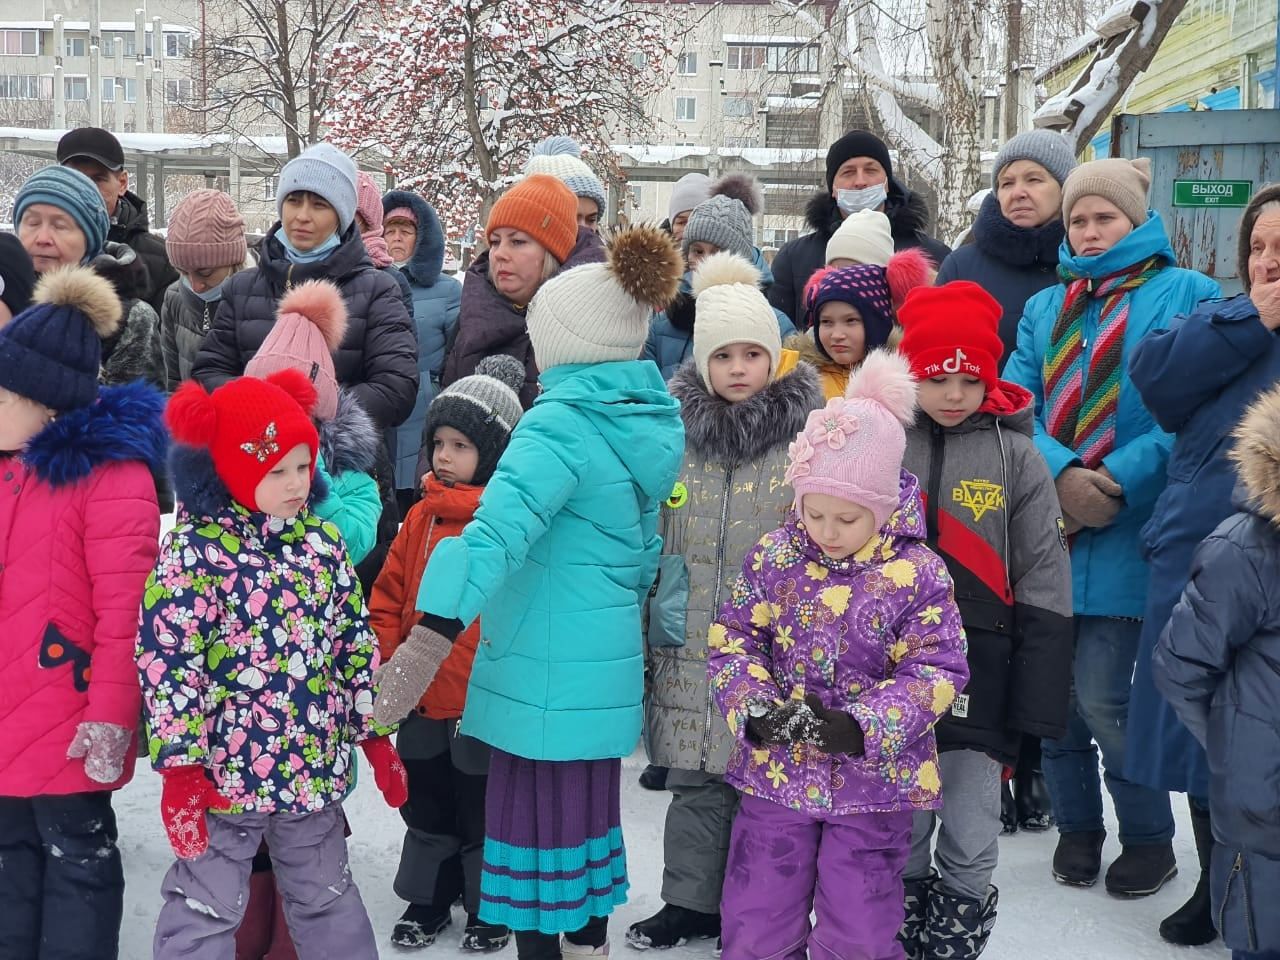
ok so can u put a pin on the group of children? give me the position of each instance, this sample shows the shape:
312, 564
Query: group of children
854, 587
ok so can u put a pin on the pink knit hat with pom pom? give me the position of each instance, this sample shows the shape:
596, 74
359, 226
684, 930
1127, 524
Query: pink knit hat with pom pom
852, 448
310, 324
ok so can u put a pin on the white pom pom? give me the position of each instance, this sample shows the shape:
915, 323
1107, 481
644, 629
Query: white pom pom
724, 268
557, 146
885, 378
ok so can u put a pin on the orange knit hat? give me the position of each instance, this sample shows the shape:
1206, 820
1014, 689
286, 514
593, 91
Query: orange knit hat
544, 208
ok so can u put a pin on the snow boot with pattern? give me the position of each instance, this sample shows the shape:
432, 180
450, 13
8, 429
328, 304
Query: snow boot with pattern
419, 926
481, 937
915, 903
957, 928
673, 926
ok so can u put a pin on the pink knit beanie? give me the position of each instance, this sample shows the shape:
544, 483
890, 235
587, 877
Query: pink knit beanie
400, 213
205, 232
310, 324
852, 448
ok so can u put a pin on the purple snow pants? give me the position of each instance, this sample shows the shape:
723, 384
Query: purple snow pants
846, 869
205, 898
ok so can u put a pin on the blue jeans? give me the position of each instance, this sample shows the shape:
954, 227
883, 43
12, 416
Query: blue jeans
1106, 650
1260, 955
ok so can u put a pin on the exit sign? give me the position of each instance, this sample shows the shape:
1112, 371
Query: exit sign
1212, 193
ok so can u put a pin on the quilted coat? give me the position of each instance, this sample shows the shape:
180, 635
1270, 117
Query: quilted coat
489, 323
729, 493
436, 298
378, 359
254, 650
558, 563
443, 511
79, 528
349, 448
876, 635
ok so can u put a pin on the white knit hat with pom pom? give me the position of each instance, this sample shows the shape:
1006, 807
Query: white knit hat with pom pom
852, 448
599, 312
561, 157
729, 308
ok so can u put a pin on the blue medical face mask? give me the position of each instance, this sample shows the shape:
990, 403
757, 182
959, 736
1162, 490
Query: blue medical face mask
212, 295
868, 198
309, 256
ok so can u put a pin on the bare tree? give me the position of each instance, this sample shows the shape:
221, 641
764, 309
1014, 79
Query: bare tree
264, 63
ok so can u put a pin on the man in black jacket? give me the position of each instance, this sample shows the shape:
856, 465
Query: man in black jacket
97, 154
859, 177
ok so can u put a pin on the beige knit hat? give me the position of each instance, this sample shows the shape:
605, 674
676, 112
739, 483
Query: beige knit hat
864, 237
1123, 182
729, 308
600, 312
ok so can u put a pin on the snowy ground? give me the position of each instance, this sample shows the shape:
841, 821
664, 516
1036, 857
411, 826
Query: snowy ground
1039, 919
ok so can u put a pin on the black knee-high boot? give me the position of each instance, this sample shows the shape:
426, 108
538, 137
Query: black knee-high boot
1192, 923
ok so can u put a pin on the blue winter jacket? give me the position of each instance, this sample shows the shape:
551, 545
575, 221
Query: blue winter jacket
1109, 574
1197, 378
670, 340
558, 562
435, 314
1218, 663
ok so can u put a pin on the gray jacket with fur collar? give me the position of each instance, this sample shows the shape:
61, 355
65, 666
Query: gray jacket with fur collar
730, 494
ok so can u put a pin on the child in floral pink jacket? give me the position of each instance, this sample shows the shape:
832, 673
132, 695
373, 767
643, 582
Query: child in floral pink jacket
836, 654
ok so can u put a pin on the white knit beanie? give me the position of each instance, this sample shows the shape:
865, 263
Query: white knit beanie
600, 312
729, 308
689, 191
864, 237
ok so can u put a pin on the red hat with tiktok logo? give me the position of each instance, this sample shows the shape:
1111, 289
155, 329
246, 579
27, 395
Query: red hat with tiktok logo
953, 328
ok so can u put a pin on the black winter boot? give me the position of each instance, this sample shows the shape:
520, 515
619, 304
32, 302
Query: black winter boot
958, 928
673, 926
1035, 809
1141, 870
1008, 809
654, 777
481, 937
1078, 859
419, 926
1191, 925
915, 904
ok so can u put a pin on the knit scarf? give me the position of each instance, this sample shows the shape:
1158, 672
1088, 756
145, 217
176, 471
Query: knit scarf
1082, 409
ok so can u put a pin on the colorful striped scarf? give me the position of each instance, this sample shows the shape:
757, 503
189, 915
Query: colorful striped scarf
1081, 410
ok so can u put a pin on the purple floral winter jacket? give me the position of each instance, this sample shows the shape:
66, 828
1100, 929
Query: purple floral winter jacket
877, 635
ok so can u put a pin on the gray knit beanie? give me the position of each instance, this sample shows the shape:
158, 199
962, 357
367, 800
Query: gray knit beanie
687, 192
722, 222
1045, 147
325, 171
484, 407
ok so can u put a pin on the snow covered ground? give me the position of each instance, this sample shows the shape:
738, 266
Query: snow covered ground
1039, 919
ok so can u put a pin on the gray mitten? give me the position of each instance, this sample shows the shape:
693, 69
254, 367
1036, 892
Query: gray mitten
404, 678
103, 746
1090, 497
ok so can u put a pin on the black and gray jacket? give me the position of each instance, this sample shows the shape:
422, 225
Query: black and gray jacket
993, 516
132, 227
730, 493
184, 321
133, 351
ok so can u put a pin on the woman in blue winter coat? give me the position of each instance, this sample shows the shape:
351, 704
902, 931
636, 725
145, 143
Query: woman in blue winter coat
415, 240
1218, 664
1107, 456
1196, 378
557, 563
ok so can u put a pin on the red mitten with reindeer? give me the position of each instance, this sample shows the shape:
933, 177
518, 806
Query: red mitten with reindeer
188, 794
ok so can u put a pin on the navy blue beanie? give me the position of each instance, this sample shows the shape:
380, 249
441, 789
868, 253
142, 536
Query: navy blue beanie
71, 191
52, 351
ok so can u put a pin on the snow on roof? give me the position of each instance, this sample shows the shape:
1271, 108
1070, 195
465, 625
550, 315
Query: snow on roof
756, 156
761, 38
770, 156
658, 153
158, 142
111, 26
808, 101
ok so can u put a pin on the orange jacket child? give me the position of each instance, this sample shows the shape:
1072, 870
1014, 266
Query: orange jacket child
468, 427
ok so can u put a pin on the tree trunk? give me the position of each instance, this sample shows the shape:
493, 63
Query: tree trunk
955, 43
1012, 58
288, 91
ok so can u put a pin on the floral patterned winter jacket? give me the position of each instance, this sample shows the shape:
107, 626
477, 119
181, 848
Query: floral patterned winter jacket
254, 651
877, 635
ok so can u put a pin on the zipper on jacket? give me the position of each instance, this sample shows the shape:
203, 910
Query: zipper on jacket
715, 606
937, 445
1237, 870
204, 322
288, 278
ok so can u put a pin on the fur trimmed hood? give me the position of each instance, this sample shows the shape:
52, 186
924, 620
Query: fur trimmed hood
125, 424
810, 348
908, 213
1256, 454
423, 268
349, 442
200, 491
740, 432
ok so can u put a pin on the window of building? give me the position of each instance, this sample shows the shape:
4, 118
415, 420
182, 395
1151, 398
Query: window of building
688, 64
738, 106
131, 44
745, 57
177, 45
108, 89
686, 108
178, 91
637, 195
75, 88
23, 86
77, 46
112, 86
790, 59
269, 187
18, 43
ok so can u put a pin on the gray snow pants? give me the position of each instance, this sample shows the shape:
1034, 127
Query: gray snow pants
205, 898
696, 839
969, 835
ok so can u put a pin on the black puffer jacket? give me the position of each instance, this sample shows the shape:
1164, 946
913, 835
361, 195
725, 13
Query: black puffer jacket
798, 259
132, 227
378, 360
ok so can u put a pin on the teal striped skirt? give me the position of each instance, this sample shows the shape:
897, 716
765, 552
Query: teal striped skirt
553, 851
